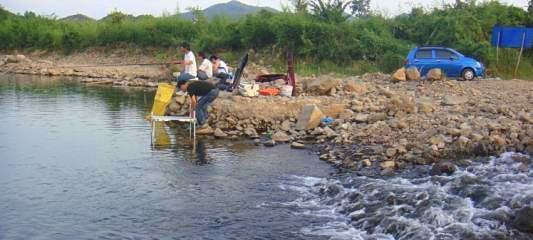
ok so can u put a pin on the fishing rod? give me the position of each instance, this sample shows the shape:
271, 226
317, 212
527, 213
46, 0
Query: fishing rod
117, 65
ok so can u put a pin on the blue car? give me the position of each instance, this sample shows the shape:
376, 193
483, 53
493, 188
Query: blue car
451, 62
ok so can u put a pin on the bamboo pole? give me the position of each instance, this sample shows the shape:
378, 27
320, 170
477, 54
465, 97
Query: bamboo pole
520, 55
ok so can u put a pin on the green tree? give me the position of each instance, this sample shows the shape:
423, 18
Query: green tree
333, 11
300, 6
530, 7
360, 8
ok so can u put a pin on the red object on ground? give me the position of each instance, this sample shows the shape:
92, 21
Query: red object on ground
269, 92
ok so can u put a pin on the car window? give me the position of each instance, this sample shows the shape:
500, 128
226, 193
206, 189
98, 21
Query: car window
424, 54
444, 54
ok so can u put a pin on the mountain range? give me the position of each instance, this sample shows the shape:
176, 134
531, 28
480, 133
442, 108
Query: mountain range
233, 9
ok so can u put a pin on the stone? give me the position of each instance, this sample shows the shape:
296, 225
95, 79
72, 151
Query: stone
219, 133
375, 117
334, 110
388, 165
437, 140
451, 100
173, 107
204, 131
270, 143
281, 137
355, 87
498, 141
367, 162
257, 142
523, 219
361, 117
286, 125
309, 118
412, 74
440, 168
425, 107
297, 145
399, 75
391, 152
250, 132
435, 74
322, 85
329, 132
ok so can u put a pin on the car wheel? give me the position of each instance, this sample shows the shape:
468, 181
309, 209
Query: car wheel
468, 74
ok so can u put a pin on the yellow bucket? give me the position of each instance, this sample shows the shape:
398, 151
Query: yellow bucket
163, 96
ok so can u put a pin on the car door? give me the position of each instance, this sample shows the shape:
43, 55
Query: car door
424, 60
448, 62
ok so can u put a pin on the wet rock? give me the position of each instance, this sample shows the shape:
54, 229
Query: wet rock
435, 74
250, 132
297, 145
309, 118
523, 220
388, 165
219, 133
443, 168
257, 142
270, 143
412, 74
286, 125
204, 131
451, 100
367, 162
281, 137
399, 75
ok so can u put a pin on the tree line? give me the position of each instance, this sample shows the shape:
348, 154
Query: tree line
335, 31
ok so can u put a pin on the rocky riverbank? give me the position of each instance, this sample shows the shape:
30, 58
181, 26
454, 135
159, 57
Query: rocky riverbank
375, 121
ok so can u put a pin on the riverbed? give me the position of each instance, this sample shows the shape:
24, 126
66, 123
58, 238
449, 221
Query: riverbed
76, 162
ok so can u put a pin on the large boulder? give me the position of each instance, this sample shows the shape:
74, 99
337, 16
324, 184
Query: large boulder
309, 118
412, 74
322, 85
399, 75
281, 137
435, 74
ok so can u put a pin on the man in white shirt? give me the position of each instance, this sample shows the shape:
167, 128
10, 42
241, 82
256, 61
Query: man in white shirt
205, 71
189, 63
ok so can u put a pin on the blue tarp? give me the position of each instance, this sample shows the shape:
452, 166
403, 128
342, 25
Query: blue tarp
511, 37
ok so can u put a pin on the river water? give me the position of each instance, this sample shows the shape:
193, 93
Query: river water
76, 162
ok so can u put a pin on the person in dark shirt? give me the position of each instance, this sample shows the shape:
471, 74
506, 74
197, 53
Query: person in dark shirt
206, 91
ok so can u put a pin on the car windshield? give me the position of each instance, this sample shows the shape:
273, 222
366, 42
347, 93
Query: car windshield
426, 53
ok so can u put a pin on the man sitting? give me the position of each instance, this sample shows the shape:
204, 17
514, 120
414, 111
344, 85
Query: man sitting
221, 72
207, 92
205, 71
189, 63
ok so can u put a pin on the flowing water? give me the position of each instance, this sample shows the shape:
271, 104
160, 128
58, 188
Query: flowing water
76, 162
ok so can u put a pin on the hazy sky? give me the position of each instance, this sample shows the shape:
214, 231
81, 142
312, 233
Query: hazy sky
100, 8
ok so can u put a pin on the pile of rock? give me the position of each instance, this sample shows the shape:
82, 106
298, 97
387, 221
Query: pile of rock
378, 124
412, 74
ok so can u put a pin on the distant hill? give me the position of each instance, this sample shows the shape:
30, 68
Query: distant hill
233, 9
78, 18
5, 13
